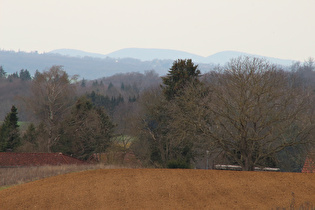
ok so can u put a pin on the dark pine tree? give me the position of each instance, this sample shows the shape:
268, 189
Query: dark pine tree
110, 86
2, 73
9, 132
83, 83
180, 74
25, 75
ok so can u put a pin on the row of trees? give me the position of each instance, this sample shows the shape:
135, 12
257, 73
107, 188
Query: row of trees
250, 111
62, 121
116, 88
68, 124
52, 102
24, 75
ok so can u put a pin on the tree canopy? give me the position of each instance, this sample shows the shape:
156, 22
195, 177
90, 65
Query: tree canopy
181, 73
85, 131
52, 95
251, 111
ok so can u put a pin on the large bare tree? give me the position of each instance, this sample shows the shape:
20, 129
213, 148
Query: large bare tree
258, 111
52, 94
251, 110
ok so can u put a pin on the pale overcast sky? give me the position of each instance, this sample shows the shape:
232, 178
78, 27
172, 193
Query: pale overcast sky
277, 28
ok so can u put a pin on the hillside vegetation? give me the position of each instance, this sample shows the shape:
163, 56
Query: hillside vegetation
249, 112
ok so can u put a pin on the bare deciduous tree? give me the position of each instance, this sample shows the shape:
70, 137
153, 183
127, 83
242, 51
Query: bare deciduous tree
51, 97
153, 126
257, 111
251, 111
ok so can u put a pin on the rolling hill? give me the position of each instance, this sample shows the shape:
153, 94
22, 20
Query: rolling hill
94, 66
148, 54
86, 67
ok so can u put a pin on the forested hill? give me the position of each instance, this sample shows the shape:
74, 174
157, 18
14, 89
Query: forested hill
86, 67
149, 54
94, 66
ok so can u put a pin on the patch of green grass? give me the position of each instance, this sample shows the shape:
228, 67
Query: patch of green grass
4, 187
20, 123
23, 124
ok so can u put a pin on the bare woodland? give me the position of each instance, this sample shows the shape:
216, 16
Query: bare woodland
249, 110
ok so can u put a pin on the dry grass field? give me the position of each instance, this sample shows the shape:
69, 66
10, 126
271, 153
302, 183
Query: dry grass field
20, 175
162, 189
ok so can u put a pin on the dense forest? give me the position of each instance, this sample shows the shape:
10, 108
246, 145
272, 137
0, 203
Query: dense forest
249, 112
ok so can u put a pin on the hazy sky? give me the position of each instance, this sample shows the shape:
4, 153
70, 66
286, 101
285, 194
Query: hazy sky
277, 28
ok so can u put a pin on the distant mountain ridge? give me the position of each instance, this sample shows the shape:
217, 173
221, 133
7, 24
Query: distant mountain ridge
94, 66
76, 53
149, 54
87, 67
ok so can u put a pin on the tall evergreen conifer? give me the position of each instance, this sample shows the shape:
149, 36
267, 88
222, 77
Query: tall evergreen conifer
180, 74
9, 132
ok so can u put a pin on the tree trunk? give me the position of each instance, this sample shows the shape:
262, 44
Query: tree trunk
248, 165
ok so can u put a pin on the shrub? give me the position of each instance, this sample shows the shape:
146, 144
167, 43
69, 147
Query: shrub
178, 164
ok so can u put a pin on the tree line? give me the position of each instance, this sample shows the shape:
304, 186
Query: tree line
249, 112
